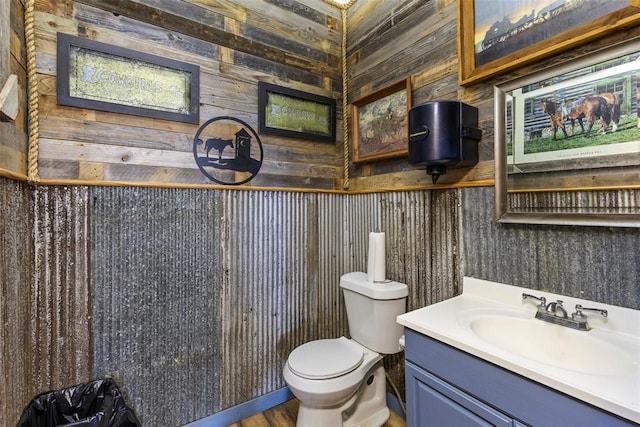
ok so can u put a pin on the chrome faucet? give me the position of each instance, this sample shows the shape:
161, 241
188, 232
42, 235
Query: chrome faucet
557, 309
555, 313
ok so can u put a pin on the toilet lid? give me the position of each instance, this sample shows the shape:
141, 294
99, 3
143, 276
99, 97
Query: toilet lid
322, 359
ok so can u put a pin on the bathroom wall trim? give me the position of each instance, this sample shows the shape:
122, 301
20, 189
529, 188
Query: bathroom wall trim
10, 174
244, 410
262, 403
351, 191
394, 405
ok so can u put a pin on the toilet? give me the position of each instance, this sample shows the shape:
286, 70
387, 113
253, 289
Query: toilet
341, 381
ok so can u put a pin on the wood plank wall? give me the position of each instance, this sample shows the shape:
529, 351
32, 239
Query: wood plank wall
235, 43
416, 39
391, 41
13, 133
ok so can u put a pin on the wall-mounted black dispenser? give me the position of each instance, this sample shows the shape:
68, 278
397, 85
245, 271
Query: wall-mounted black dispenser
443, 134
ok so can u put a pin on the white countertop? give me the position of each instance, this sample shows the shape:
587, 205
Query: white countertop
445, 321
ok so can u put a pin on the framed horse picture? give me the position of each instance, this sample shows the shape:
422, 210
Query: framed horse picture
584, 119
567, 142
497, 36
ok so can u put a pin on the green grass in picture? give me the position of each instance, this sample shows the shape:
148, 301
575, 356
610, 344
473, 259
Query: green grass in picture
627, 131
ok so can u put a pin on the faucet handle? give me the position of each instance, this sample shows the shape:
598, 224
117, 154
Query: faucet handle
579, 315
541, 300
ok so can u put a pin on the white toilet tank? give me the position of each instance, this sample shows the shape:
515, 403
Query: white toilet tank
372, 309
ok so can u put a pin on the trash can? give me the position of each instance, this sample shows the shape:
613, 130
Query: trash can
97, 403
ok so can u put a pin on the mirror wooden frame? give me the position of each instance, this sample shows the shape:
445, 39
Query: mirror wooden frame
503, 211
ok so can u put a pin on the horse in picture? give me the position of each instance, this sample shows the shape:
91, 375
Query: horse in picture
555, 116
590, 108
613, 100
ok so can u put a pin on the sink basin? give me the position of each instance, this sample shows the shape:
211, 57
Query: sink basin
593, 352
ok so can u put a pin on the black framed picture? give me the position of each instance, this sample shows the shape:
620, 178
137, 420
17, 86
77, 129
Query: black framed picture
292, 113
104, 77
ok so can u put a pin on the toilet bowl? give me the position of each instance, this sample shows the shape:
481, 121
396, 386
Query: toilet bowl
341, 381
329, 390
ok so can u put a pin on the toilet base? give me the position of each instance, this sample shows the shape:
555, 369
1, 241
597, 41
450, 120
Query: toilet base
370, 409
366, 408
312, 417
373, 420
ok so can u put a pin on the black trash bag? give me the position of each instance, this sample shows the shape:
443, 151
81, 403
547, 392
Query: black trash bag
97, 404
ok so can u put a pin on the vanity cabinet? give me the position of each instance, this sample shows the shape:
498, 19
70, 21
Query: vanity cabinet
431, 401
447, 386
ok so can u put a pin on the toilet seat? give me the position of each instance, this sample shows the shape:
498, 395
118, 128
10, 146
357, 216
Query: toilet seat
324, 359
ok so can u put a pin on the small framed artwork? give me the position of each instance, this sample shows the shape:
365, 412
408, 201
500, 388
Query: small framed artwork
292, 113
104, 77
498, 36
380, 123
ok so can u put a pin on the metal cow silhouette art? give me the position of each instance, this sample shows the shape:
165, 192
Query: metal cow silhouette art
219, 144
236, 166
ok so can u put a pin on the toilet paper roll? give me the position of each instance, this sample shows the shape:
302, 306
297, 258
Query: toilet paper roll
376, 263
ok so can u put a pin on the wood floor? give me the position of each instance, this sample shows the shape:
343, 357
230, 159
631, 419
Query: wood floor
285, 416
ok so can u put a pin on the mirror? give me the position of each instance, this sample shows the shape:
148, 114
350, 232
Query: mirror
567, 142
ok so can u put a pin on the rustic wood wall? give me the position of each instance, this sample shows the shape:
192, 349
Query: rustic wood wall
13, 133
235, 43
391, 41
238, 43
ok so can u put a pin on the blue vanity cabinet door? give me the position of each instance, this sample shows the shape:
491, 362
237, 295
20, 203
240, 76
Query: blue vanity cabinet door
433, 402
506, 392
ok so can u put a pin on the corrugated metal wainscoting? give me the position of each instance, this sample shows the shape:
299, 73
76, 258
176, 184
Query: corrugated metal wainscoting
192, 299
596, 263
199, 296
44, 293
156, 267
16, 266
61, 332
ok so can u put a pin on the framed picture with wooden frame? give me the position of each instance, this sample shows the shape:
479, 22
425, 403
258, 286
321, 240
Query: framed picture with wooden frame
495, 37
379, 123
